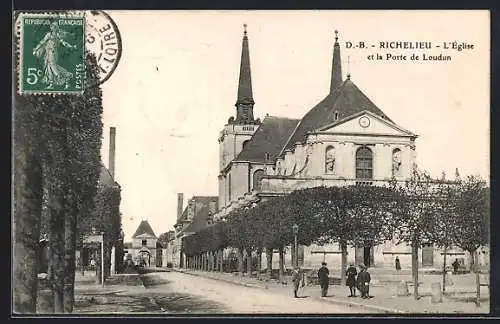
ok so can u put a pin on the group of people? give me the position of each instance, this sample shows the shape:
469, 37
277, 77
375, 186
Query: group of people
355, 280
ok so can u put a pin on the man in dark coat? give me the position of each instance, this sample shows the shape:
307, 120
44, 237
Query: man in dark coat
351, 279
364, 282
323, 276
455, 265
398, 264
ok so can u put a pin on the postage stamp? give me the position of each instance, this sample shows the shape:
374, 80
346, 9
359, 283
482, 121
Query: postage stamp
51, 53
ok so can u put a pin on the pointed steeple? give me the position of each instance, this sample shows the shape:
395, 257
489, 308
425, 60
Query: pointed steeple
336, 80
244, 102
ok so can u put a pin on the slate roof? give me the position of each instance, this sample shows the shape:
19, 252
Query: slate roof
105, 178
347, 100
144, 228
201, 213
268, 138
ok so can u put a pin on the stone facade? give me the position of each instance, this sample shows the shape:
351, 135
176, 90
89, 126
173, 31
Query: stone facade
344, 140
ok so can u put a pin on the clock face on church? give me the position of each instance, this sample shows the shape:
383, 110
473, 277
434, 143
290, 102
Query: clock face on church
364, 122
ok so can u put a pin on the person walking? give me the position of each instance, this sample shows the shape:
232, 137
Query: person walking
455, 265
364, 281
323, 278
297, 277
351, 279
398, 264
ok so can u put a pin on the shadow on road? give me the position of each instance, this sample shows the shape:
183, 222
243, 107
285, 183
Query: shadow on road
187, 304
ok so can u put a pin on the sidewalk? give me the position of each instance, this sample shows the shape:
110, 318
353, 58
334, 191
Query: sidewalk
121, 293
458, 300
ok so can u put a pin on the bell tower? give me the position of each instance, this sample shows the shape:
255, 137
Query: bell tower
240, 129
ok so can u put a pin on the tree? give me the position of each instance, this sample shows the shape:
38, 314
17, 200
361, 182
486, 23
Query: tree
415, 205
70, 131
27, 195
472, 219
443, 222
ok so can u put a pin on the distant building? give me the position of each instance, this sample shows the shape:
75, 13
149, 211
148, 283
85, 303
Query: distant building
197, 215
143, 248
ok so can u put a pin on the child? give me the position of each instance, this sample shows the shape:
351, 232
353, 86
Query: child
364, 282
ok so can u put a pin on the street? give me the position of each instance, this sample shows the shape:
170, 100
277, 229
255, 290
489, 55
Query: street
180, 293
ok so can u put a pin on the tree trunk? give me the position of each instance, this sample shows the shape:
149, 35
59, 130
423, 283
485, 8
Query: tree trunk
269, 260
444, 269
70, 266
221, 260
343, 263
282, 264
27, 212
414, 267
475, 268
259, 262
240, 261
249, 263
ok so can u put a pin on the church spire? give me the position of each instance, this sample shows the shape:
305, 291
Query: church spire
336, 80
244, 102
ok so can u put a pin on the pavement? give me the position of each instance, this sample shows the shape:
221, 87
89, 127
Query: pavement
181, 291
200, 295
458, 299
123, 293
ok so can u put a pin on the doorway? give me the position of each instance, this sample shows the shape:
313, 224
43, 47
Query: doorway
364, 255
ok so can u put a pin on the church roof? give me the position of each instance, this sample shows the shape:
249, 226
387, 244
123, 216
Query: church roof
268, 138
343, 100
144, 228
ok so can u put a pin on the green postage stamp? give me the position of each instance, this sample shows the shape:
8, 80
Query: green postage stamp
51, 53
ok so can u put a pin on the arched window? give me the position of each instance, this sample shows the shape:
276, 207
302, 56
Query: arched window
257, 179
245, 143
364, 163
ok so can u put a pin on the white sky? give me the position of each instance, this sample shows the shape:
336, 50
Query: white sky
168, 120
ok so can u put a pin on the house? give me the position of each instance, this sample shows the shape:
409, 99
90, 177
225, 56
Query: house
143, 248
197, 215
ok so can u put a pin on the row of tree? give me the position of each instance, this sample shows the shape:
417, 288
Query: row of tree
421, 210
57, 163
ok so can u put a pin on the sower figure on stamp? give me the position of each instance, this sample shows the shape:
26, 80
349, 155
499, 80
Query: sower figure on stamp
351, 279
364, 282
297, 277
48, 51
323, 277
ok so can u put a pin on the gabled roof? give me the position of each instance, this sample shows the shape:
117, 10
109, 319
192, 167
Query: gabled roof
386, 121
201, 212
345, 100
268, 138
144, 228
105, 178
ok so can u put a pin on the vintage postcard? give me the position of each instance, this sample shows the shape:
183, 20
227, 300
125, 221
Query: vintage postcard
173, 163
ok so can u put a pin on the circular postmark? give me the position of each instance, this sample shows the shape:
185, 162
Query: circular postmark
102, 38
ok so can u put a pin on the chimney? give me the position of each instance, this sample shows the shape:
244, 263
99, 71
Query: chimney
180, 202
112, 138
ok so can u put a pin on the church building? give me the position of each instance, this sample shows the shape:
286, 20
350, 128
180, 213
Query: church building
345, 139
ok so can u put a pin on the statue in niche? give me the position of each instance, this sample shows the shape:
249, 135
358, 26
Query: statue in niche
396, 162
330, 160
